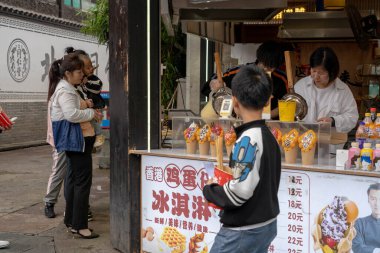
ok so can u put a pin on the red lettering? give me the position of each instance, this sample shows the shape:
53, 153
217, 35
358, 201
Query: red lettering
200, 208
160, 202
180, 204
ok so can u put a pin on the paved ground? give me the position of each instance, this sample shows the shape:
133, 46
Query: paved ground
23, 179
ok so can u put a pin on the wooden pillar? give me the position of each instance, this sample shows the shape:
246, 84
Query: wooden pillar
129, 85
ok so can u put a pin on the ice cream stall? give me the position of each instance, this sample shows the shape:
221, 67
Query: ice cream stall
319, 201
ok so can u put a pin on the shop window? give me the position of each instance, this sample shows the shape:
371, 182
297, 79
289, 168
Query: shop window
73, 3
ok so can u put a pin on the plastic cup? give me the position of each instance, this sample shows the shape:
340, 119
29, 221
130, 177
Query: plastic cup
287, 110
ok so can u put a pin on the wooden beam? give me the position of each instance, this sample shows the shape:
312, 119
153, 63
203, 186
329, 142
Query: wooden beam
128, 52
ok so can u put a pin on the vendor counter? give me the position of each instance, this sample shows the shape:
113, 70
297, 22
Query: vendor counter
176, 217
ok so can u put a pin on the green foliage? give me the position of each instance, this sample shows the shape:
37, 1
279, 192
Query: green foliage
172, 53
168, 79
96, 22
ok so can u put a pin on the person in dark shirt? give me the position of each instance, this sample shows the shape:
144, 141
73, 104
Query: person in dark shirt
367, 239
249, 201
270, 56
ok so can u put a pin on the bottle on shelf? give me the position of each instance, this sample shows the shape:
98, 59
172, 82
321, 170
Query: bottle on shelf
377, 128
369, 127
366, 157
353, 161
373, 114
376, 158
361, 135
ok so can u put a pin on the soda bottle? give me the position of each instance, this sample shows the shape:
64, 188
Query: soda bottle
353, 156
369, 127
376, 158
361, 134
366, 157
373, 114
377, 128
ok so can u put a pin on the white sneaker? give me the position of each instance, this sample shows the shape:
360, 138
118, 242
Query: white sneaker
99, 141
3, 244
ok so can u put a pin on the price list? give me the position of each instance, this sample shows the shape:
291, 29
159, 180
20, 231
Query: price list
294, 219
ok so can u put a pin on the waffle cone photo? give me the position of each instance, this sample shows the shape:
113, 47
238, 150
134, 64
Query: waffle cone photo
328, 245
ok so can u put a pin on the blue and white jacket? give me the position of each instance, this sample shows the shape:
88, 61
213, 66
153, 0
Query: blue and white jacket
250, 199
66, 115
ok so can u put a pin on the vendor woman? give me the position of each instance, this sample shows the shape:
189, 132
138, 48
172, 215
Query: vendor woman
328, 98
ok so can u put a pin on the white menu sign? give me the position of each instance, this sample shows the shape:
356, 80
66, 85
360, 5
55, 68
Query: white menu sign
176, 218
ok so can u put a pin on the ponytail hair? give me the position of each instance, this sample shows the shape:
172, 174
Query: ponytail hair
54, 77
71, 50
69, 62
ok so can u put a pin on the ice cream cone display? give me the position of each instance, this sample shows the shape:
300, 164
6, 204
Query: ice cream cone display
203, 137
229, 139
307, 143
216, 131
276, 133
190, 135
334, 226
289, 143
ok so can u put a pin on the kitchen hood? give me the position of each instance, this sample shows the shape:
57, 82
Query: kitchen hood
215, 19
227, 10
316, 25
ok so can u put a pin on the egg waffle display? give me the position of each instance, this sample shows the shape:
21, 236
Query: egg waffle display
289, 143
203, 137
190, 135
290, 140
190, 132
307, 142
229, 139
216, 131
174, 239
276, 133
204, 134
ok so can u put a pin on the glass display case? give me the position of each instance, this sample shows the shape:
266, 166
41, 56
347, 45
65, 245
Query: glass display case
303, 143
196, 135
300, 143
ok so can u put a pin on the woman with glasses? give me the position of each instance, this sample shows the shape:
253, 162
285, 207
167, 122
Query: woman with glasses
328, 98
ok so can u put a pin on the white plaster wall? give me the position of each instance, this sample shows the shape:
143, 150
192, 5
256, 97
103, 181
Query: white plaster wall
193, 73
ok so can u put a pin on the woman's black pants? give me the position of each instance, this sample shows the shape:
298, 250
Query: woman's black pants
78, 185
